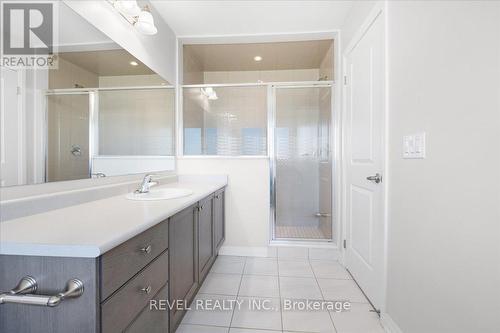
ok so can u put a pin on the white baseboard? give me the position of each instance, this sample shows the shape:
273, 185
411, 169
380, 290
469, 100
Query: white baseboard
389, 325
247, 251
273, 251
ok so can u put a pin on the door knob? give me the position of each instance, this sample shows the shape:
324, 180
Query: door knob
376, 179
76, 150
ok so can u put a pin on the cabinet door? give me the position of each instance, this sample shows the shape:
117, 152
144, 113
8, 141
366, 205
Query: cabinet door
206, 249
183, 266
152, 319
219, 220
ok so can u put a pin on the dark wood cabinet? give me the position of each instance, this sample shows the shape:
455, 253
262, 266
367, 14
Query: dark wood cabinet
151, 320
166, 261
206, 248
183, 267
219, 216
118, 311
79, 315
124, 261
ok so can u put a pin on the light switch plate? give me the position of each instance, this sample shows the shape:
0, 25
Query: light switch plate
414, 146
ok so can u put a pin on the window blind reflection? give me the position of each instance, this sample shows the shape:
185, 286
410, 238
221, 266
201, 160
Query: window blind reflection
227, 121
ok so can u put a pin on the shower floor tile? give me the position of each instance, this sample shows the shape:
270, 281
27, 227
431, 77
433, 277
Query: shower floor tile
283, 231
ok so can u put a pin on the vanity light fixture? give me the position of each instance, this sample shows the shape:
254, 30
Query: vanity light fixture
128, 7
257, 58
140, 18
134, 63
145, 23
210, 93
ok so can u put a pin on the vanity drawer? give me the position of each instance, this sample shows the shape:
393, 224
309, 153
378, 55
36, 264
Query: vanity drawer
154, 320
124, 261
118, 311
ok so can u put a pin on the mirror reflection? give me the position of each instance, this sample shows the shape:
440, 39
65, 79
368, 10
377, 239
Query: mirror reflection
72, 122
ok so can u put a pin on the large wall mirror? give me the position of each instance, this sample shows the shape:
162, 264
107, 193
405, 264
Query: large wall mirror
100, 113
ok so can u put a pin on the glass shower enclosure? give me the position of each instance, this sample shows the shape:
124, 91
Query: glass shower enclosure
302, 163
68, 139
84, 125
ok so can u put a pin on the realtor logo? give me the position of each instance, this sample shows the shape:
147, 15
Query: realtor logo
28, 34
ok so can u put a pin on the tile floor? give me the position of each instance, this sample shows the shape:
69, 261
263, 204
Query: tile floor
250, 279
284, 231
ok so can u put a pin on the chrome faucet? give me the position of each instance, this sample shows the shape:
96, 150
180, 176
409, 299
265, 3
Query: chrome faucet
98, 175
146, 184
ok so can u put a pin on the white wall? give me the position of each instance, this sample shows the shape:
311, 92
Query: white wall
444, 215
354, 19
76, 34
129, 165
136, 122
286, 75
131, 80
158, 52
247, 197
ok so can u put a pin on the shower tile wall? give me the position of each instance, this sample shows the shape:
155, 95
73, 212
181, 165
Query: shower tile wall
131, 80
136, 122
67, 75
326, 68
264, 76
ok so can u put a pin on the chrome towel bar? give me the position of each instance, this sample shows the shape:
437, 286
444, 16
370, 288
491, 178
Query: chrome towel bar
23, 293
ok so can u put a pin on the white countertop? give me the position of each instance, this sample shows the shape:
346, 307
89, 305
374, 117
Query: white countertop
90, 229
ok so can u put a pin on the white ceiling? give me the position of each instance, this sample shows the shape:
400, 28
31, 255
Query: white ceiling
77, 34
214, 18
107, 62
275, 56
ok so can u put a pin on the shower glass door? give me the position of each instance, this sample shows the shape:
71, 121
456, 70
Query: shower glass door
68, 137
302, 163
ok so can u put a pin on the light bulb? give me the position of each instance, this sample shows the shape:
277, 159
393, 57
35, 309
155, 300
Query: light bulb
213, 96
210, 93
145, 23
128, 7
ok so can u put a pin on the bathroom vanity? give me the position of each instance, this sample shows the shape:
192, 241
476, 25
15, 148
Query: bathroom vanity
128, 273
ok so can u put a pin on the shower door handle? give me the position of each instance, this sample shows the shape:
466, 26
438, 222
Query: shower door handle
377, 178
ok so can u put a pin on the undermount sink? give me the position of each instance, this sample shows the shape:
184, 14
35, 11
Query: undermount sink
160, 194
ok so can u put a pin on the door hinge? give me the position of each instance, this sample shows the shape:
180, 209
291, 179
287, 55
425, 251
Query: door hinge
345, 80
345, 243
18, 90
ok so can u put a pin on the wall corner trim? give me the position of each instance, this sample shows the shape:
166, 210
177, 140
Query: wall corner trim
389, 325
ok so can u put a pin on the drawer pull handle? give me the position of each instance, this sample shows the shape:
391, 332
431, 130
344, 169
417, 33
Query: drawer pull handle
217, 196
24, 293
201, 208
146, 249
146, 290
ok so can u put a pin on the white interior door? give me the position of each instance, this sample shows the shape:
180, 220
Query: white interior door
364, 154
11, 129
